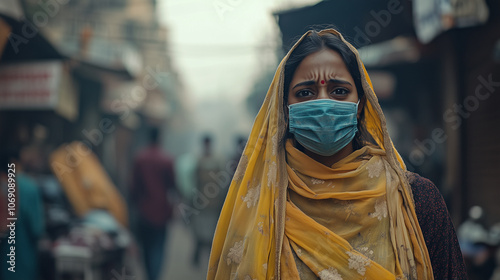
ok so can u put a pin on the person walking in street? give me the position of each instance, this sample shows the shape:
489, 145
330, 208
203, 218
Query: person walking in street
153, 184
208, 166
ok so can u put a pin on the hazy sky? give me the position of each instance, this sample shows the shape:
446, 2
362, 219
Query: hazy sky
219, 46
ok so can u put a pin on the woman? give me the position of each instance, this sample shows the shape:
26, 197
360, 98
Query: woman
320, 191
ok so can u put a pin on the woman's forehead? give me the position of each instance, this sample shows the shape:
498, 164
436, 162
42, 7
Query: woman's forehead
325, 62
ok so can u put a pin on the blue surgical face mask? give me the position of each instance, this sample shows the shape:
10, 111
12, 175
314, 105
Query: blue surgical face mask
323, 126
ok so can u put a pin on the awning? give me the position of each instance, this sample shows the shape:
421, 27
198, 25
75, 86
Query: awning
26, 43
361, 22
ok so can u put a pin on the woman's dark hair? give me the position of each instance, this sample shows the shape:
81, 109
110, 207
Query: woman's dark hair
314, 43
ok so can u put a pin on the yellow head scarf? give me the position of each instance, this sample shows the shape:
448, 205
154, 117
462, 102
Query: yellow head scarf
266, 229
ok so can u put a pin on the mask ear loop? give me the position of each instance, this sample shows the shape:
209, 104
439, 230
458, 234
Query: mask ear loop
357, 107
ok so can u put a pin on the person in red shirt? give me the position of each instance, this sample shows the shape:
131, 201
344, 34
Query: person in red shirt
152, 186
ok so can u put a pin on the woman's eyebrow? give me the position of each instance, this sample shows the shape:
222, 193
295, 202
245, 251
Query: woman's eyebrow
337, 81
306, 83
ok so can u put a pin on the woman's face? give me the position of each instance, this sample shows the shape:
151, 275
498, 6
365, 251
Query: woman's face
322, 75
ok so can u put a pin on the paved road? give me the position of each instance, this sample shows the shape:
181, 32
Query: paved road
178, 253
180, 250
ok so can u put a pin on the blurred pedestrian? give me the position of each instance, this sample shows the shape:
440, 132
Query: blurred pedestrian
152, 187
29, 226
320, 190
478, 246
208, 169
240, 146
185, 173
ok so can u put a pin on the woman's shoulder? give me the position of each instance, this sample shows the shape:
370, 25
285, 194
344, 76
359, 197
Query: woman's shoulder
437, 229
422, 187
426, 196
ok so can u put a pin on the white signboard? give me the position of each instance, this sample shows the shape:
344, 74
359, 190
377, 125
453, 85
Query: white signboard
30, 85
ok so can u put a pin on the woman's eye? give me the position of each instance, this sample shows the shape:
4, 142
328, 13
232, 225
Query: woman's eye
340, 91
303, 93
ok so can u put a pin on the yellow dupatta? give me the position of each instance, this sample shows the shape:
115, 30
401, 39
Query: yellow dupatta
263, 231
